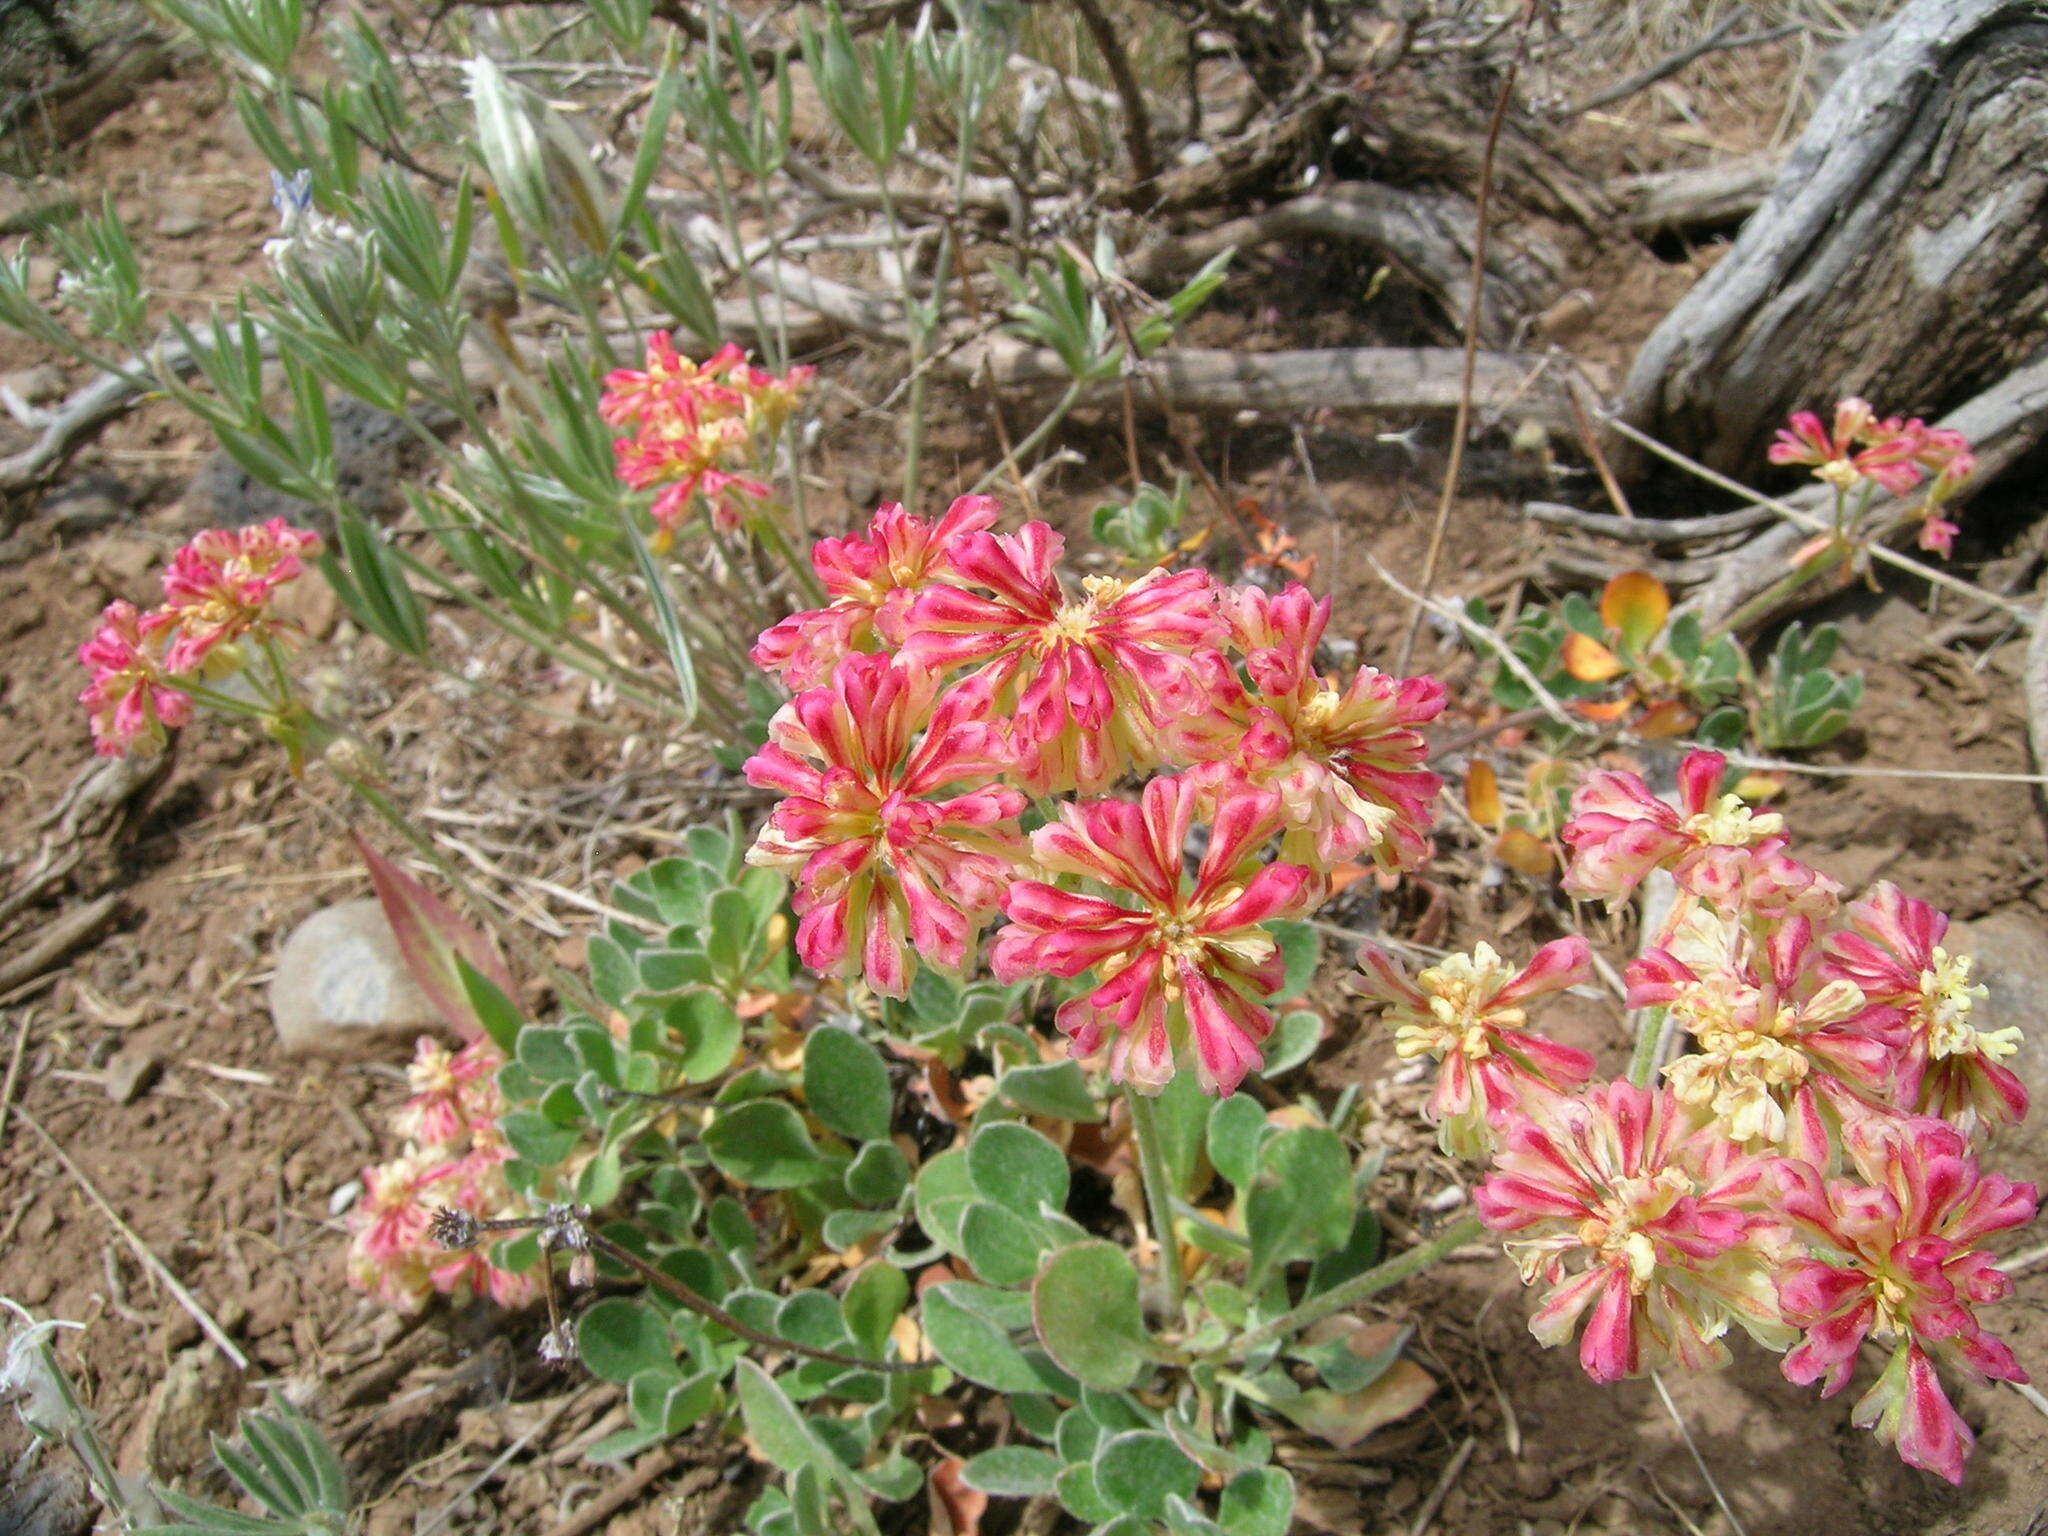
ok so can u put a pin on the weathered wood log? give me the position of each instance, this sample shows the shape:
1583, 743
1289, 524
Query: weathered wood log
1426, 236
1898, 257
1697, 199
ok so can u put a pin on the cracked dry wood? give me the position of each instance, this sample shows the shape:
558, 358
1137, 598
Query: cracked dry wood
1898, 256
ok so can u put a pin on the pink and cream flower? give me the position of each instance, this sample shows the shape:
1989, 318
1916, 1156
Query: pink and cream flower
388, 1250
1346, 758
219, 586
1648, 1229
872, 581
1856, 447
131, 697
1469, 1012
1890, 949
1715, 846
453, 1092
1086, 683
1177, 960
1783, 1052
1899, 1264
885, 859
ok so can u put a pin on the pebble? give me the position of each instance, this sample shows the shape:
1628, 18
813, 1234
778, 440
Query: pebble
341, 988
130, 1073
35, 385
2009, 954
183, 216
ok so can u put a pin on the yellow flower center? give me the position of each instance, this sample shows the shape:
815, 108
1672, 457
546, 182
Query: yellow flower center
1731, 824
1947, 996
1632, 1204
1460, 990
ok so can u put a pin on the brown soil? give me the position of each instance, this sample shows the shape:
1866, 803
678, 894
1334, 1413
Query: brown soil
225, 1166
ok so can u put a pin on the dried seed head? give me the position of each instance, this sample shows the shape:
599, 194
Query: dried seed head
453, 1229
558, 1345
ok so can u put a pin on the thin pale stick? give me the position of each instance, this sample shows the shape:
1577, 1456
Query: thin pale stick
14, 1066
1426, 1515
1698, 1460
1814, 524
1856, 771
1475, 290
155, 1265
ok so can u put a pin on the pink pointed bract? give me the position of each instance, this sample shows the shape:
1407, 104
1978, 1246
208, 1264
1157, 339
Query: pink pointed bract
1087, 684
131, 698
1346, 757
872, 582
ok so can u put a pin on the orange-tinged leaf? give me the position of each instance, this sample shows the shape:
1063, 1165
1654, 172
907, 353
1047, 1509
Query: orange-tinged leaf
1760, 786
1587, 660
431, 937
1482, 793
956, 1509
1635, 606
1347, 1419
1523, 852
1343, 876
1612, 709
1664, 719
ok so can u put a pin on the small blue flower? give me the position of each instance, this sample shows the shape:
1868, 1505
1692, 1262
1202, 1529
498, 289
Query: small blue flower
291, 197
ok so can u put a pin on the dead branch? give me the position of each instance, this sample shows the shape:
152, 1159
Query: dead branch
1897, 257
1428, 237
1697, 199
1649, 530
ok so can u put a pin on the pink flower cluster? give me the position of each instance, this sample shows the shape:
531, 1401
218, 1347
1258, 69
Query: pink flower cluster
1807, 1172
453, 1158
217, 595
698, 429
1858, 448
955, 676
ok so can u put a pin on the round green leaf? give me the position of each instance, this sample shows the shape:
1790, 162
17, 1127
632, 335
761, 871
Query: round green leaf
974, 1344
1139, 1470
1013, 1165
1003, 1247
943, 1191
763, 1143
1012, 1471
1293, 1041
1236, 1127
1085, 1306
1080, 1497
846, 1085
1303, 1174
1055, 1089
707, 1031
873, 1302
619, 1337
878, 1175
1257, 1503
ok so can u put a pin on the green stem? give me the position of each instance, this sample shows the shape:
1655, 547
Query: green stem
1037, 435
1379, 1278
1642, 1061
1158, 1195
1817, 564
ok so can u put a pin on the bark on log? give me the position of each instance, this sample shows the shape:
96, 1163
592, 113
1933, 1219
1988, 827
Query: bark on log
1898, 256
1698, 199
1426, 236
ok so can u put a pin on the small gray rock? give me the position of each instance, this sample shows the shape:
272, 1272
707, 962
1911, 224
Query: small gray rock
183, 216
2010, 954
341, 988
129, 1073
35, 385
